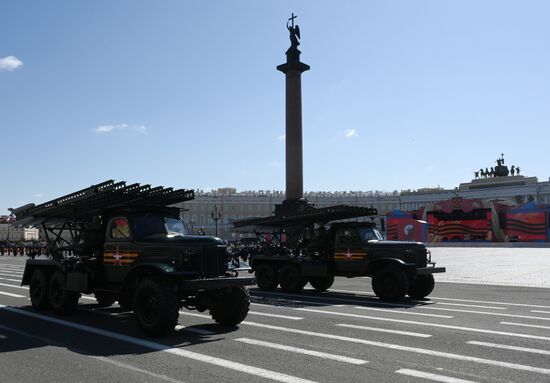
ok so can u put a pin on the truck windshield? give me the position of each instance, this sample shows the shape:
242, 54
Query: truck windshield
156, 226
369, 234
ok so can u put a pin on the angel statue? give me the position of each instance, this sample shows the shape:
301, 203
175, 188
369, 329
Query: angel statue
294, 32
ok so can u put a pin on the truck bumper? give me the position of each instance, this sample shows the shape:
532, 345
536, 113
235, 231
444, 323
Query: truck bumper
215, 283
429, 270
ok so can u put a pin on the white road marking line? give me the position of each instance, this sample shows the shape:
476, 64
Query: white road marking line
540, 311
507, 347
492, 303
474, 306
428, 324
239, 367
408, 333
487, 313
526, 325
399, 347
16, 287
10, 280
12, 295
277, 346
416, 350
403, 312
101, 358
452, 299
430, 376
275, 315
11, 275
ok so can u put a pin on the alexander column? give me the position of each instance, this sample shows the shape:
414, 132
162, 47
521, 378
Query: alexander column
293, 69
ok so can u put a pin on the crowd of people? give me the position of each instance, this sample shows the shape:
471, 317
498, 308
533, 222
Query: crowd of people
22, 248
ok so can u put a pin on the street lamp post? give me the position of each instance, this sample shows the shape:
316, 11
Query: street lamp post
216, 215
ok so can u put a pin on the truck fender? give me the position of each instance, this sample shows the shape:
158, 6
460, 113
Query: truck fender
144, 269
32, 265
378, 263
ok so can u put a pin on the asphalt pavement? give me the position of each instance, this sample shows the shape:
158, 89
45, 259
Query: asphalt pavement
462, 333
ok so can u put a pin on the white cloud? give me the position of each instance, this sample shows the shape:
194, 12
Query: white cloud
275, 164
429, 168
351, 133
10, 63
39, 195
110, 128
281, 137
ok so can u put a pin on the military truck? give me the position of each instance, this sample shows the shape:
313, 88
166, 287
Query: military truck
124, 243
296, 248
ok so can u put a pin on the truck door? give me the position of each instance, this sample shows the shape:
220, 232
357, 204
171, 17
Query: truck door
119, 251
349, 256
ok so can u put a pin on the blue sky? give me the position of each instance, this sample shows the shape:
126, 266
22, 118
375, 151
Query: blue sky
401, 94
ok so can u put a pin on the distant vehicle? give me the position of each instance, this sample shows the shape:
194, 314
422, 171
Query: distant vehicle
311, 253
126, 245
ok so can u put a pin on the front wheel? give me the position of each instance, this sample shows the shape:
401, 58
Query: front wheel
390, 284
267, 277
156, 306
232, 307
422, 286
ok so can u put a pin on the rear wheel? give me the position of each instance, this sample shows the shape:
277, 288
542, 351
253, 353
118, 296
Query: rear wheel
266, 277
38, 290
390, 283
321, 283
291, 279
156, 306
232, 307
63, 302
422, 286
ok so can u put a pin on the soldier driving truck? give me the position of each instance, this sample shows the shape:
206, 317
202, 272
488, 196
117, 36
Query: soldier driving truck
124, 243
313, 245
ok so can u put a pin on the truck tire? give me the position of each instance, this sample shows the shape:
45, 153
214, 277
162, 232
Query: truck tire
38, 289
267, 277
390, 284
156, 306
422, 286
321, 283
291, 279
105, 299
62, 302
232, 307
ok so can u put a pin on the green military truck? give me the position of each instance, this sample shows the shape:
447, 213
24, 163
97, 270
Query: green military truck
123, 243
295, 247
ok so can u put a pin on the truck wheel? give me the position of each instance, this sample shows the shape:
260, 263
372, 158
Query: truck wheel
156, 306
291, 279
266, 277
321, 283
38, 290
104, 299
232, 307
63, 302
422, 286
390, 284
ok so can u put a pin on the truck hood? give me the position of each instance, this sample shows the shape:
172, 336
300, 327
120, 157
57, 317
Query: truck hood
187, 240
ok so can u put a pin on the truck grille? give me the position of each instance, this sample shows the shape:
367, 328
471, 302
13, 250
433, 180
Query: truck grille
421, 256
213, 262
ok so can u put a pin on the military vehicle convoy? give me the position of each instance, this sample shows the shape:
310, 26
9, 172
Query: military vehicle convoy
123, 243
296, 248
